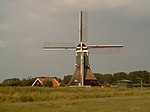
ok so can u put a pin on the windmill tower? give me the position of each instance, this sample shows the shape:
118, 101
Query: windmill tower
83, 75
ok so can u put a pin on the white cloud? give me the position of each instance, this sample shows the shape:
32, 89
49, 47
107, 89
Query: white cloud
3, 44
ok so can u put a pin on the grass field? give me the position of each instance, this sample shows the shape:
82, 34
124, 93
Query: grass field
65, 99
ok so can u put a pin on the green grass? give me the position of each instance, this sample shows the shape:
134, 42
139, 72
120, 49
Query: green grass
65, 99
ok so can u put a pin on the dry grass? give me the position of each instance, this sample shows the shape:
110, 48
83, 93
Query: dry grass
114, 104
65, 99
41, 94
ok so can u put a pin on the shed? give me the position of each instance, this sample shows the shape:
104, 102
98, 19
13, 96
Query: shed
124, 83
40, 81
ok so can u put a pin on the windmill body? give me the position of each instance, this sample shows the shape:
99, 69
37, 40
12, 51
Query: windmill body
83, 75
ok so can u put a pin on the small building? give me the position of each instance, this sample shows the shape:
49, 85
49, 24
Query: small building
40, 81
124, 83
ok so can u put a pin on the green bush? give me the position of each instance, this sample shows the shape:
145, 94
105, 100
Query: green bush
11, 82
48, 82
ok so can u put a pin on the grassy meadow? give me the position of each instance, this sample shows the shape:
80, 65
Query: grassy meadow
65, 99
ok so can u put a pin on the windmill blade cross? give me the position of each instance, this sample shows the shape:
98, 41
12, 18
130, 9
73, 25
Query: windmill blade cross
83, 75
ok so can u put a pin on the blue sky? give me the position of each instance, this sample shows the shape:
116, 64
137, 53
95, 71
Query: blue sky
26, 24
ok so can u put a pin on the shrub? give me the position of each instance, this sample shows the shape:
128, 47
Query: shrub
48, 82
11, 82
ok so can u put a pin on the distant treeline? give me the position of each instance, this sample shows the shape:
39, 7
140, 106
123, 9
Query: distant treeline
134, 76
22, 82
18, 82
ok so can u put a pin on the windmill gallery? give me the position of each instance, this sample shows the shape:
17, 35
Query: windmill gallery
83, 75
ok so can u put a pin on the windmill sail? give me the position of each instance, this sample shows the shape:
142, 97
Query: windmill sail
83, 28
104, 49
59, 46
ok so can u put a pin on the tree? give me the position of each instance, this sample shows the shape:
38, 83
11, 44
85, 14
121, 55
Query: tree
27, 81
11, 82
119, 76
145, 76
66, 79
48, 82
133, 76
108, 78
149, 78
99, 77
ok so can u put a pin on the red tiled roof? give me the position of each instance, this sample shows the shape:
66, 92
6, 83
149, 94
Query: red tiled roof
42, 79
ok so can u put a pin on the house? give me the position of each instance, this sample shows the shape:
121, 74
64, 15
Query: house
40, 81
124, 83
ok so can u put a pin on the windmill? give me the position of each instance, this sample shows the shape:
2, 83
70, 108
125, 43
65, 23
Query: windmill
83, 75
